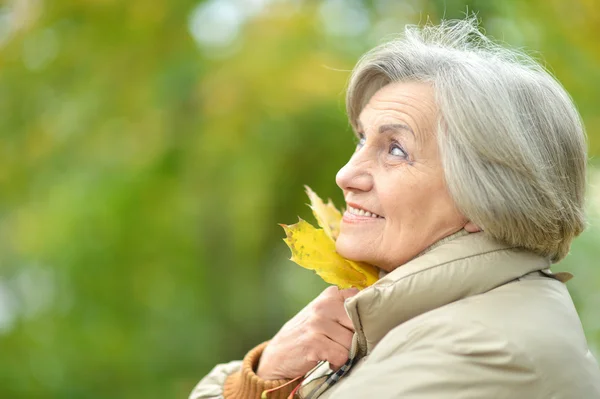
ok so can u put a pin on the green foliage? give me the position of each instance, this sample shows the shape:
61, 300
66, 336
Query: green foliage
143, 173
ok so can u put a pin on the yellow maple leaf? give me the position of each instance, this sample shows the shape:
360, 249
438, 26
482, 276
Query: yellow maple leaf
327, 215
314, 248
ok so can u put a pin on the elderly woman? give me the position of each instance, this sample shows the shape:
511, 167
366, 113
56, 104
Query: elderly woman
466, 184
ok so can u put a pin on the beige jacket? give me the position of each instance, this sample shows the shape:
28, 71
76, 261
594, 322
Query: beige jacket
471, 318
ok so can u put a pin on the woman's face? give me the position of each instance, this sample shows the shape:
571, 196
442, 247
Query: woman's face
396, 196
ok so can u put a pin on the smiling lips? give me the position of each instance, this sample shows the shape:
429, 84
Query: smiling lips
361, 212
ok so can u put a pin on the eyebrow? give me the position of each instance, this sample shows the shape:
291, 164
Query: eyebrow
388, 127
395, 127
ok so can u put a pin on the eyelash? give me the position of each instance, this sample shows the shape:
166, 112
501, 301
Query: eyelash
394, 145
360, 140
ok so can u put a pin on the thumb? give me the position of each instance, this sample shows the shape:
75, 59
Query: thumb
348, 293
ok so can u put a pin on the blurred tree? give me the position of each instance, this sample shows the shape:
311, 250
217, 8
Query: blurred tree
148, 151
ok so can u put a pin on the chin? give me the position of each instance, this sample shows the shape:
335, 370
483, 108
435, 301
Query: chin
353, 250
349, 250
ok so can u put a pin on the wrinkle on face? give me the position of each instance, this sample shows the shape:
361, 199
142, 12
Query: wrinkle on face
416, 110
410, 193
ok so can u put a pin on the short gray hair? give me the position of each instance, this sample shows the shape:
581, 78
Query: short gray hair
512, 143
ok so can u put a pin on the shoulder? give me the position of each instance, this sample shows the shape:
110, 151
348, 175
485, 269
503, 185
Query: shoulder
526, 313
520, 340
522, 337
441, 357
461, 343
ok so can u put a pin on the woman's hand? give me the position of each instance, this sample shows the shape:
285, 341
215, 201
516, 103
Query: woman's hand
320, 331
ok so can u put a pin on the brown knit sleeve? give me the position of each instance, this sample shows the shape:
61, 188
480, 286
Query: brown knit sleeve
245, 384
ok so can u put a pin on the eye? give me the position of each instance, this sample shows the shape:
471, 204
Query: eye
397, 151
361, 140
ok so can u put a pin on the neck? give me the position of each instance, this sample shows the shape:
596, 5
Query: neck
459, 233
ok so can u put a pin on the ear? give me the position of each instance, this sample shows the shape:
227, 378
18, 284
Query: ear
472, 227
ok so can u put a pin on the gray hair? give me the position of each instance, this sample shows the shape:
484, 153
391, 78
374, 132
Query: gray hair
512, 143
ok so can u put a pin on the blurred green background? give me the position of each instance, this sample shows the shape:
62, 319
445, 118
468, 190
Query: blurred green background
148, 150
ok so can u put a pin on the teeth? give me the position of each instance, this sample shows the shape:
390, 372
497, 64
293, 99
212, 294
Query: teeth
362, 212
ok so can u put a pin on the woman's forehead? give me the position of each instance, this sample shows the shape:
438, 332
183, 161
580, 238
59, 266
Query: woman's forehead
408, 103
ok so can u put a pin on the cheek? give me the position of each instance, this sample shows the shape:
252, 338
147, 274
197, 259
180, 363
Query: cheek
405, 206
412, 207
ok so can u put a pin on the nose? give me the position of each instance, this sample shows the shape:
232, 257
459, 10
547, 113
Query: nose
356, 175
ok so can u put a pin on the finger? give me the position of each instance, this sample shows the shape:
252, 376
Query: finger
337, 333
331, 304
348, 293
330, 292
334, 310
339, 314
335, 354
342, 295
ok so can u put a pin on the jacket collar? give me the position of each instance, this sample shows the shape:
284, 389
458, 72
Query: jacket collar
452, 269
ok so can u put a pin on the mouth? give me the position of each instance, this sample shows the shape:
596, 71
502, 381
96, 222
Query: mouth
354, 209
